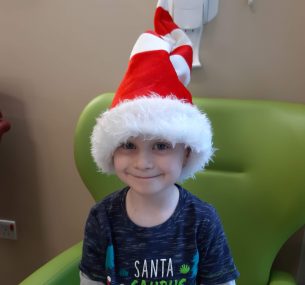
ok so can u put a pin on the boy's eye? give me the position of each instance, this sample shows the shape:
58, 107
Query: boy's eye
128, 145
162, 146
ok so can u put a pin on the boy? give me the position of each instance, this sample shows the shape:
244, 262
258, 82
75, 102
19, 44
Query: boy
154, 231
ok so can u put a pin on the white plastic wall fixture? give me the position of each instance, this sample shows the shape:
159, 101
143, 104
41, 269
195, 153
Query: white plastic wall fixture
191, 16
188, 14
210, 10
250, 3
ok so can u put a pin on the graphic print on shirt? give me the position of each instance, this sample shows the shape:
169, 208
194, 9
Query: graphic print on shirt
109, 263
160, 271
195, 264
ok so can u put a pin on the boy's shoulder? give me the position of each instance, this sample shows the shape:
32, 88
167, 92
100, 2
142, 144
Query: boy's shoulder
193, 205
110, 201
201, 214
193, 200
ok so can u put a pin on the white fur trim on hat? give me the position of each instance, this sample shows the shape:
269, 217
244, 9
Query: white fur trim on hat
154, 117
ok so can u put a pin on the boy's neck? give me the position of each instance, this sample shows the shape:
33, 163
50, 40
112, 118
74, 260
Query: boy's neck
151, 210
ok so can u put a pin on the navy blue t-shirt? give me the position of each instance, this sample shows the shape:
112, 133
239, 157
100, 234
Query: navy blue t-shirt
189, 248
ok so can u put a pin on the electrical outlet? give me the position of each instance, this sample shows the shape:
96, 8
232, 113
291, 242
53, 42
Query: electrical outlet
8, 229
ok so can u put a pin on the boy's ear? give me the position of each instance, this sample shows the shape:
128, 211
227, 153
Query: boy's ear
187, 153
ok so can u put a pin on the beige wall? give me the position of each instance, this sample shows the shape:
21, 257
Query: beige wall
57, 55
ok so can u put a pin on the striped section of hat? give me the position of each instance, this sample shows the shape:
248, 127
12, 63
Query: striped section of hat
181, 50
160, 62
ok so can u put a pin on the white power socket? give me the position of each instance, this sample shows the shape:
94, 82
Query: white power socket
8, 229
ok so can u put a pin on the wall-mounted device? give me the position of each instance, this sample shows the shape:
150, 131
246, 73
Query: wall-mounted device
8, 229
191, 16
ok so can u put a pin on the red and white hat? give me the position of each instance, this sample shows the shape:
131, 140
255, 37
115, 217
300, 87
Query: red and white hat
153, 101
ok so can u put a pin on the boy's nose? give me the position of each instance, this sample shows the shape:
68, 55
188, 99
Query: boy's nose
143, 161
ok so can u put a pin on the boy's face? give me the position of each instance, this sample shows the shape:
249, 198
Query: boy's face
149, 166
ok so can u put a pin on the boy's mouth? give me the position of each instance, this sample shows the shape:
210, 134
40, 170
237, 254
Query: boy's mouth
146, 177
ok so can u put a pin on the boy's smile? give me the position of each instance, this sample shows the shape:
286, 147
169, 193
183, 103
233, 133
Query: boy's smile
149, 166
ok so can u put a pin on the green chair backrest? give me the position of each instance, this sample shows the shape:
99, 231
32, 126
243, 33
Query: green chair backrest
256, 181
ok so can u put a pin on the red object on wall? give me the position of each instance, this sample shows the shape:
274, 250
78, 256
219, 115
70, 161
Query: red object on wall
4, 125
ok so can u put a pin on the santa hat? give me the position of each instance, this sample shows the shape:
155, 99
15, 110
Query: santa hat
152, 99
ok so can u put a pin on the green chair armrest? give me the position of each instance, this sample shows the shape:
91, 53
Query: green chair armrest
281, 278
63, 269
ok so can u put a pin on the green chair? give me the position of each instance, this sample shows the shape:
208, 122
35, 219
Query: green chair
256, 182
